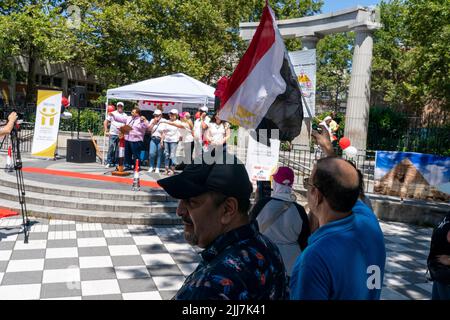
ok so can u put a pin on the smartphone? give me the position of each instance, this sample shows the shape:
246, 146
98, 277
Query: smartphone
317, 128
264, 189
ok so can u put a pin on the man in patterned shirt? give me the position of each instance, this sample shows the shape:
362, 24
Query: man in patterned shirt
238, 262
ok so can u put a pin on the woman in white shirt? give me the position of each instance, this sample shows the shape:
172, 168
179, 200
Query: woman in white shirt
171, 137
156, 150
217, 133
187, 137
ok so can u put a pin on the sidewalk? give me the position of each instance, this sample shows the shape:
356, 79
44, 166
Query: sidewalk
69, 260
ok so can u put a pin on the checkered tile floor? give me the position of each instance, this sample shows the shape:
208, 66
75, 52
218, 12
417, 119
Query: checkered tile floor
69, 260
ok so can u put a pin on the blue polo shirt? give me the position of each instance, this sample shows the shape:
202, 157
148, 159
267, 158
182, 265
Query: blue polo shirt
344, 260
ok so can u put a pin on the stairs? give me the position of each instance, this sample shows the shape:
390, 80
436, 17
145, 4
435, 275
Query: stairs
49, 201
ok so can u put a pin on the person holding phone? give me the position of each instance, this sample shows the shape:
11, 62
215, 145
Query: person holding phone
12, 118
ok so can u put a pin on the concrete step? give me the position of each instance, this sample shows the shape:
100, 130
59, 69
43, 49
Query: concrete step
46, 212
10, 181
58, 201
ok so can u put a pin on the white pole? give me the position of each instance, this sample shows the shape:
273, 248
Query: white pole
104, 133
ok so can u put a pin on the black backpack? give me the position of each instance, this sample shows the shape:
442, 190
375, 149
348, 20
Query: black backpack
439, 246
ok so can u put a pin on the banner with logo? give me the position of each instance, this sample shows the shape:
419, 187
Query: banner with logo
262, 160
304, 63
46, 127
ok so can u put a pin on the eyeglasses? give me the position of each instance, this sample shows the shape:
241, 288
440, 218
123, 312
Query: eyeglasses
307, 184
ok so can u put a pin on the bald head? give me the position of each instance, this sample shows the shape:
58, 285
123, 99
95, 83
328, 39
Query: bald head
338, 181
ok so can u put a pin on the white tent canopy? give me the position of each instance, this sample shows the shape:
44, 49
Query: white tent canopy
174, 88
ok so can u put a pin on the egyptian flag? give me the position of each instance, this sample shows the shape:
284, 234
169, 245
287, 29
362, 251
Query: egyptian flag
263, 92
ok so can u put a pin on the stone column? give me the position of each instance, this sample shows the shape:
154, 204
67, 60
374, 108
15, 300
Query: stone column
357, 113
309, 42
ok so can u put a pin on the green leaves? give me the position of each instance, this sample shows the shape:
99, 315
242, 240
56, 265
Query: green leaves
411, 57
334, 56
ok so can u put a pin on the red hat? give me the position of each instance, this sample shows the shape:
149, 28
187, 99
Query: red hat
64, 101
284, 176
111, 108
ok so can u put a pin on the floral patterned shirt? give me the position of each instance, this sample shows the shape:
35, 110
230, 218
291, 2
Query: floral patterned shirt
241, 264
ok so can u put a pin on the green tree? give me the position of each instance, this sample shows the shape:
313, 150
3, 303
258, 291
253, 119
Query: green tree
37, 31
334, 56
411, 57
127, 41
428, 25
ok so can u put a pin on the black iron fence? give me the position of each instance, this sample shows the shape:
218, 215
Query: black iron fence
302, 159
399, 132
25, 135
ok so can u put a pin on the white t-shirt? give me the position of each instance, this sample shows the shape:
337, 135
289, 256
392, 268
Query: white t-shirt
157, 129
114, 128
198, 132
217, 132
171, 133
186, 134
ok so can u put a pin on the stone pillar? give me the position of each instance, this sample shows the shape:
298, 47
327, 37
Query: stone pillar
357, 113
309, 42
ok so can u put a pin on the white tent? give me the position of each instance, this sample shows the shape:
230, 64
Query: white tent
174, 88
177, 88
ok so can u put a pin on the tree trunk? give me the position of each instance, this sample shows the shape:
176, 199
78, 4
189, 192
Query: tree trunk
31, 77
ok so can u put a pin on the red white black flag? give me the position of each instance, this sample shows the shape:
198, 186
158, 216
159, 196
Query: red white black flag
263, 92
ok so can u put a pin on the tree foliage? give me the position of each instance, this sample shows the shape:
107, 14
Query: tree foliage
411, 57
334, 56
35, 30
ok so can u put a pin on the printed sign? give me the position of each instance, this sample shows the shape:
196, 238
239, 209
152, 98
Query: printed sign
262, 160
304, 63
46, 127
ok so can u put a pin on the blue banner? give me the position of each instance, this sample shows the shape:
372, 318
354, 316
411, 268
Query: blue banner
412, 175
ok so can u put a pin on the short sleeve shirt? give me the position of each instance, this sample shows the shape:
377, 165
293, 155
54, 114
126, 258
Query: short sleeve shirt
241, 264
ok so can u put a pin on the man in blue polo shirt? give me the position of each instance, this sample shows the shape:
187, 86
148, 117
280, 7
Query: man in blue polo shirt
346, 255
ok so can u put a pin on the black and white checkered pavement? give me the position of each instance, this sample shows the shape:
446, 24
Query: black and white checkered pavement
71, 260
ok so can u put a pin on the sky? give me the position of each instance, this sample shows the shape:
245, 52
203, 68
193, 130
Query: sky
335, 5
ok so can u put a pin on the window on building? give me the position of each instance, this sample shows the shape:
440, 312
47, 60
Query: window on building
46, 80
71, 84
57, 82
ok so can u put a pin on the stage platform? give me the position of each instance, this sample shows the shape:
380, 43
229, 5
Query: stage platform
88, 192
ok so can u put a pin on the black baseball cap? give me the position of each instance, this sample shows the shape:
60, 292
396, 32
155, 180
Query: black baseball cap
229, 179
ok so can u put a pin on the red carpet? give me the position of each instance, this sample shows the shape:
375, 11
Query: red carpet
4, 213
88, 176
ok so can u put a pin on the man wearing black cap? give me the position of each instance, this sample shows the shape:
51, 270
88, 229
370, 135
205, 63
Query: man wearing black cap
238, 262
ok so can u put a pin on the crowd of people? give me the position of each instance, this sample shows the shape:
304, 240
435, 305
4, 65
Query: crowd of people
166, 133
276, 250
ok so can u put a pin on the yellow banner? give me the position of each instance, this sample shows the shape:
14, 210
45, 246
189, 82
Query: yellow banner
46, 127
